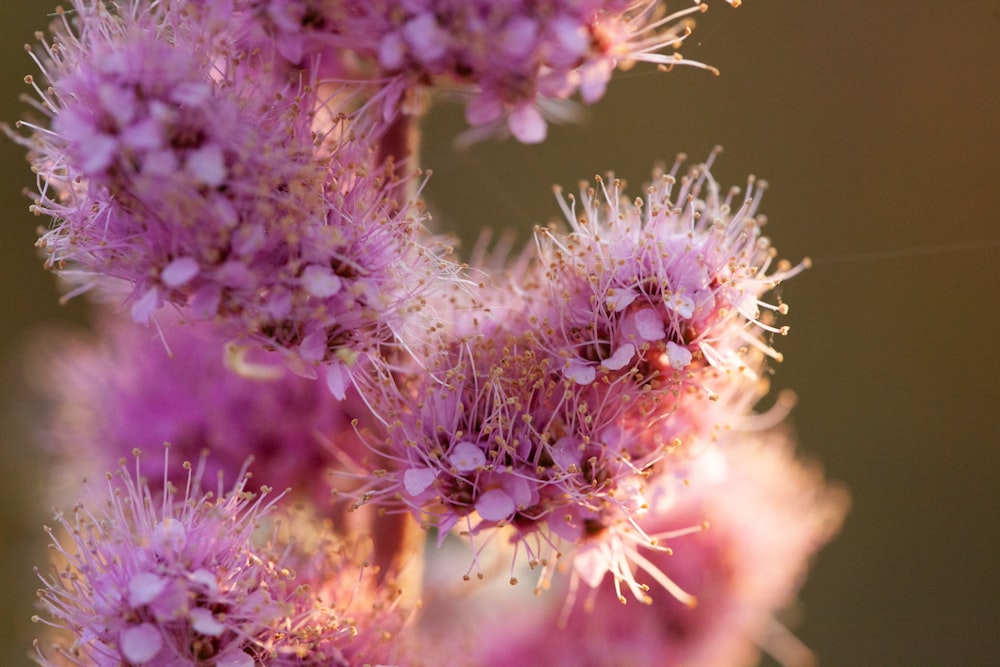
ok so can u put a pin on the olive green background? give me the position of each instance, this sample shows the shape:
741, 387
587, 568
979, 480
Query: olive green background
878, 126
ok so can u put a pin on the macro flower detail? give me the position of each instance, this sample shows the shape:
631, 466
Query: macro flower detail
237, 186
262, 223
514, 63
741, 533
659, 301
186, 580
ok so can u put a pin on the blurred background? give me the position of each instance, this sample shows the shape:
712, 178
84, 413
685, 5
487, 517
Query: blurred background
877, 125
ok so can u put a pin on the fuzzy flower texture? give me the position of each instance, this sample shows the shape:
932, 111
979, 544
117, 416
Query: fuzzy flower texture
236, 186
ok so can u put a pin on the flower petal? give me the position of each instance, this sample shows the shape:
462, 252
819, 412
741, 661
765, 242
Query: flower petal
140, 643
495, 505
179, 272
416, 480
649, 325
620, 358
467, 457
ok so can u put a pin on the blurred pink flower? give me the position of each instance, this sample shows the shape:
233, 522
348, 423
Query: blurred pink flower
128, 389
733, 545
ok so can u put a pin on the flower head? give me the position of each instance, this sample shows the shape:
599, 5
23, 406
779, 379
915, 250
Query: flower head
515, 62
185, 580
741, 532
127, 389
196, 173
660, 299
492, 436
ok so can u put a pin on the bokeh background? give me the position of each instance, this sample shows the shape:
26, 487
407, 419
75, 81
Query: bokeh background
878, 126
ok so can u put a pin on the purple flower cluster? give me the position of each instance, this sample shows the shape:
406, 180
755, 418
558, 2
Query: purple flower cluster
632, 342
124, 390
193, 172
241, 177
741, 533
181, 579
514, 62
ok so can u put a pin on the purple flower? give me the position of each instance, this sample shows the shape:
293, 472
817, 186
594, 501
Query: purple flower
732, 546
128, 389
186, 579
660, 300
515, 62
491, 436
195, 173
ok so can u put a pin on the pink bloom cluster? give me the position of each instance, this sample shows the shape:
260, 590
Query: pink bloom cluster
742, 531
123, 390
513, 61
241, 176
195, 173
181, 580
633, 341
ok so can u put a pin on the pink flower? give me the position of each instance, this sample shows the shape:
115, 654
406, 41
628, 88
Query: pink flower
517, 62
199, 176
127, 389
184, 580
660, 300
733, 545
491, 436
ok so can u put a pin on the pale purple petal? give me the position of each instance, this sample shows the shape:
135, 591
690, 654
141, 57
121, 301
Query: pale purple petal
520, 490
416, 480
392, 51
426, 38
620, 299
566, 453
313, 346
144, 306
484, 108
117, 101
206, 300
517, 39
206, 580
99, 151
179, 272
649, 325
620, 358
208, 165
204, 622
160, 163
321, 281
144, 587
527, 124
678, 355
140, 643
680, 304
337, 380
495, 505
466, 457
145, 136
191, 93
571, 39
580, 371
594, 80
235, 659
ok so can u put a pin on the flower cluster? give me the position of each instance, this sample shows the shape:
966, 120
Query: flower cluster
633, 341
182, 580
742, 532
514, 62
193, 172
124, 390
241, 177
